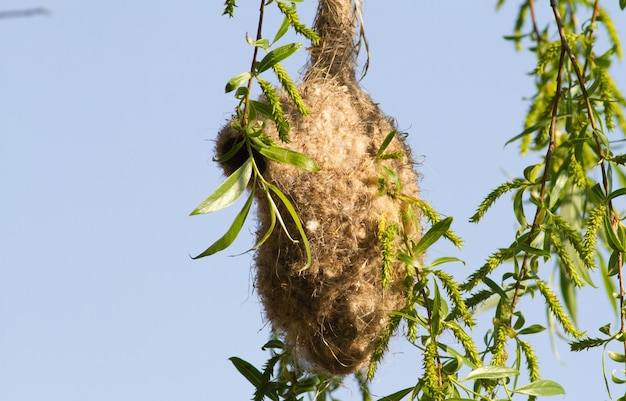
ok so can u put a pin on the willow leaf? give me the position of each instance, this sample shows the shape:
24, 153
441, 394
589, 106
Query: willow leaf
541, 388
228, 192
236, 81
276, 56
296, 220
432, 235
228, 238
284, 27
287, 156
490, 372
398, 395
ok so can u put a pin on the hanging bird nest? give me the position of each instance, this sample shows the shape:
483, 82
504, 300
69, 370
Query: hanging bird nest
333, 312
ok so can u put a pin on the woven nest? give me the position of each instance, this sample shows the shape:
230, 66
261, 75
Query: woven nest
333, 312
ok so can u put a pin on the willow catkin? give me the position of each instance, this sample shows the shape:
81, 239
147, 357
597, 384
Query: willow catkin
333, 312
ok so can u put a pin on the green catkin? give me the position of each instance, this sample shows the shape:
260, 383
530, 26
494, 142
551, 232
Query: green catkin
431, 370
500, 338
596, 217
290, 88
466, 342
557, 310
453, 291
532, 364
294, 21
566, 261
387, 236
494, 196
495, 260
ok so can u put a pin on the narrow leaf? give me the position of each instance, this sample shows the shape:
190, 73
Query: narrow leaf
615, 379
276, 56
285, 155
616, 193
398, 395
262, 43
385, 143
541, 388
236, 81
445, 259
248, 371
541, 124
532, 329
228, 192
432, 235
617, 357
232, 232
284, 27
296, 220
272, 223
612, 238
490, 372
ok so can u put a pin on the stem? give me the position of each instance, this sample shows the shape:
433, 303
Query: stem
594, 17
429, 313
544, 180
531, 6
246, 100
612, 213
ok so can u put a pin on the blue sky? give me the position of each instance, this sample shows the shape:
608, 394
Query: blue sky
108, 112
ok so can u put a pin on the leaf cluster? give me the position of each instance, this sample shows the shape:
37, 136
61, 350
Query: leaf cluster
250, 127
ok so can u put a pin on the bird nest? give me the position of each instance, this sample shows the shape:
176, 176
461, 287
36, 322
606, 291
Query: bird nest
333, 312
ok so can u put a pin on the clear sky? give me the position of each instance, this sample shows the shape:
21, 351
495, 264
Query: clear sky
107, 115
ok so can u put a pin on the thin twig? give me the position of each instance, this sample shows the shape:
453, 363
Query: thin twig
614, 218
531, 6
259, 36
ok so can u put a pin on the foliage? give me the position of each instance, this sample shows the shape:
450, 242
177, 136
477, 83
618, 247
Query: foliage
568, 226
251, 128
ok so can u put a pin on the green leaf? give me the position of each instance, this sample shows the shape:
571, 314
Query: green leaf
436, 311
622, 4
616, 379
269, 231
490, 372
398, 395
541, 388
532, 250
496, 288
541, 124
232, 232
296, 220
606, 329
228, 192
248, 371
284, 27
432, 235
616, 193
287, 156
236, 81
617, 357
445, 259
276, 56
612, 237
263, 108
385, 143
273, 344
231, 153
262, 43
532, 329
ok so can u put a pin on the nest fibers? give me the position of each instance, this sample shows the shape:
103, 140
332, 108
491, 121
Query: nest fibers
333, 312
